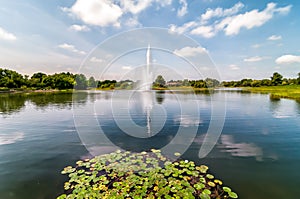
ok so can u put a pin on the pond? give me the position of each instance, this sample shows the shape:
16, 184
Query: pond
257, 152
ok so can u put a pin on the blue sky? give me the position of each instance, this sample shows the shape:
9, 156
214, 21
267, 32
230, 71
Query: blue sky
244, 39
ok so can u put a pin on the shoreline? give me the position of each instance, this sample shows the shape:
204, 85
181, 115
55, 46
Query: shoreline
17, 91
275, 92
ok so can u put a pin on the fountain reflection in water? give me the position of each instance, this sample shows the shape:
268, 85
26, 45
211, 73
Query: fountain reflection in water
145, 88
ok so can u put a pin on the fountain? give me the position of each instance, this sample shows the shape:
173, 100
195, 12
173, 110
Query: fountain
146, 85
146, 81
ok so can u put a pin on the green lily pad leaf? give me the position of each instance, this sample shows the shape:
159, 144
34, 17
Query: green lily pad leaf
177, 154
211, 184
227, 189
206, 191
209, 176
204, 196
202, 168
233, 195
218, 181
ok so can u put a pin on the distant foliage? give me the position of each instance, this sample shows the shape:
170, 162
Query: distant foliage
80, 82
10, 79
276, 80
159, 82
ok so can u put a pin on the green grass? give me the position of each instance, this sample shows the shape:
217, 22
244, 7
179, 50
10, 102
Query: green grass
290, 91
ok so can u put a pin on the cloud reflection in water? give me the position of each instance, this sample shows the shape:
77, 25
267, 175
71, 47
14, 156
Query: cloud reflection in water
11, 138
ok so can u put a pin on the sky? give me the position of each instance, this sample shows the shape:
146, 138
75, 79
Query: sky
226, 39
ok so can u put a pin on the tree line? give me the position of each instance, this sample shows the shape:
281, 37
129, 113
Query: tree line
275, 80
65, 80
39, 80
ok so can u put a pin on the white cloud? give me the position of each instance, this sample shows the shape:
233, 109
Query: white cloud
133, 22
99, 13
4, 35
256, 45
220, 12
136, 6
274, 37
232, 25
205, 31
229, 21
233, 67
79, 28
183, 10
189, 51
110, 12
71, 48
254, 59
96, 60
126, 67
184, 28
288, 59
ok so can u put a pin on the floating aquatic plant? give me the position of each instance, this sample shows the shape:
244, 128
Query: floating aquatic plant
123, 174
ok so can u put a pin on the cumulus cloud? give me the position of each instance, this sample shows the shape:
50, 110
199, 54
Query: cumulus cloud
288, 59
79, 28
132, 22
254, 59
183, 10
255, 18
182, 29
71, 48
4, 35
256, 45
94, 12
135, 7
205, 31
230, 21
233, 67
220, 12
189, 51
274, 37
108, 12
126, 67
96, 60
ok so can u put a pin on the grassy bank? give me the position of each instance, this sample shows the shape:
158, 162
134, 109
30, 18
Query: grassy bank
277, 92
19, 90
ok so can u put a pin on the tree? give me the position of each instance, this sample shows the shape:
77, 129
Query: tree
298, 79
276, 79
37, 79
160, 81
11, 79
81, 83
212, 82
92, 82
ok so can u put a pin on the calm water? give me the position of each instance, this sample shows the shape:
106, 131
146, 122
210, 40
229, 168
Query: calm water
257, 154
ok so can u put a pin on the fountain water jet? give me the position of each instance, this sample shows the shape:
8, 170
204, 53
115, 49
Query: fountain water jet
146, 85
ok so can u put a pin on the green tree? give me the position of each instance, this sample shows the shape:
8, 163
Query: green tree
298, 79
276, 79
92, 82
212, 82
11, 79
160, 81
80, 82
37, 79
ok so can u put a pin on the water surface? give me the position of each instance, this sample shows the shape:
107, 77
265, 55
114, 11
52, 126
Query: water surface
257, 154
